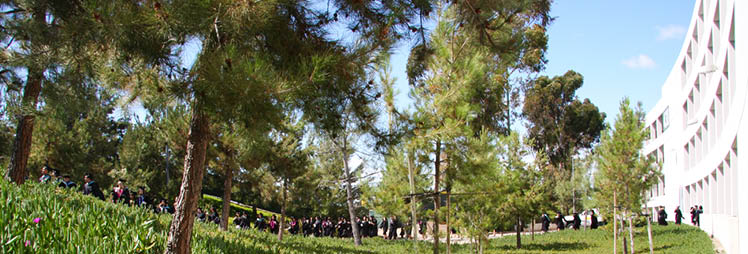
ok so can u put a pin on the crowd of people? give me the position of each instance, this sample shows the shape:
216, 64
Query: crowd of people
562, 223
307, 226
319, 226
311, 226
696, 212
120, 194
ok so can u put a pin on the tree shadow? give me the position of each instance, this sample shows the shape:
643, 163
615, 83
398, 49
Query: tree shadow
661, 248
551, 246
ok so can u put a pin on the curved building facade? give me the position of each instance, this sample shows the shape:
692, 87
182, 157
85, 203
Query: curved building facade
699, 128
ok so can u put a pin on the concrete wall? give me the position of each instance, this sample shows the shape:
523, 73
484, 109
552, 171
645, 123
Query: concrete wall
699, 131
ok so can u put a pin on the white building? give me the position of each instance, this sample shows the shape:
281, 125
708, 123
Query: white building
699, 128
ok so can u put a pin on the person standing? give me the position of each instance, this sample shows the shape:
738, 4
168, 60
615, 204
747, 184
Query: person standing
393, 228
698, 212
577, 223
120, 193
66, 182
91, 187
141, 199
273, 224
384, 227
593, 217
45, 177
662, 217
163, 207
545, 222
693, 215
560, 221
678, 215
200, 215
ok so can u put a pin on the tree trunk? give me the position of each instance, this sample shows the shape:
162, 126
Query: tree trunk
17, 171
283, 210
480, 245
413, 214
449, 227
615, 224
631, 232
532, 230
180, 231
649, 234
227, 182
349, 193
437, 198
519, 233
625, 244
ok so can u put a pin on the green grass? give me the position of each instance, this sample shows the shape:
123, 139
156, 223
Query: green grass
72, 223
217, 202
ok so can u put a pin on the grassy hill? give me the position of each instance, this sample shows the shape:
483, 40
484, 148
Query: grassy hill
217, 202
42, 219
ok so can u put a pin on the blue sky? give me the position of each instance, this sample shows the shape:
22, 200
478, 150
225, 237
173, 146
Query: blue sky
622, 48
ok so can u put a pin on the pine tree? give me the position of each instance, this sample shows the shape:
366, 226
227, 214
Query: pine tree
460, 76
49, 43
624, 174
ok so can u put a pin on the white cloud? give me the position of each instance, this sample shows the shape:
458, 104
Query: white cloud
670, 32
641, 61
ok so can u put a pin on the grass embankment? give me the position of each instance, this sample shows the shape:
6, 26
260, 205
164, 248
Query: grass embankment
217, 203
71, 223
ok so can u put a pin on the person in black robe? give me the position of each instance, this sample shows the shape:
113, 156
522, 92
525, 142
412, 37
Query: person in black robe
678, 215
213, 216
273, 225
373, 226
693, 215
66, 182
661, 217
120, 193
306, 227
384, 227
699, 211
294, 226
545, 222
594, 224
260, 222
317, 227
393, 228
328, 227
200, 215
560, 221
91, 187
163, 207
577, 223
141, 199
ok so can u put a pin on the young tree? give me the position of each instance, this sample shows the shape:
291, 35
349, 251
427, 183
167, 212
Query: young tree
480, 190
455, 77
624, 174
524, 191
289, 162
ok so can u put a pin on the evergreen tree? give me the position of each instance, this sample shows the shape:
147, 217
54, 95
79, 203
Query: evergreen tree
289, 160
525, 192
559, 123
460, 76
150, 153
78, 133
624, 174
49, 43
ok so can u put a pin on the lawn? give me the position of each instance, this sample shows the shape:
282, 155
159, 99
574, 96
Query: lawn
42, 219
